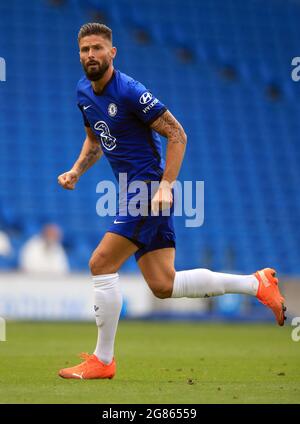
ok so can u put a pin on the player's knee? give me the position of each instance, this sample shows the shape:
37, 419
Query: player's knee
162, 292
100, 264
164, 287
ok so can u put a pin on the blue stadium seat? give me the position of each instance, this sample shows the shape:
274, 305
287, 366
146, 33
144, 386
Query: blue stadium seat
243, 144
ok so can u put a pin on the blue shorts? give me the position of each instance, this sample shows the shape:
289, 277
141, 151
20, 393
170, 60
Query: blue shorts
147, 232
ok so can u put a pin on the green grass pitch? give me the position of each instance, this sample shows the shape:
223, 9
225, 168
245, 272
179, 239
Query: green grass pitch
157, 362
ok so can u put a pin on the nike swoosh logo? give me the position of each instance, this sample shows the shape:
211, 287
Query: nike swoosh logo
119, 222
78, 375
86, 107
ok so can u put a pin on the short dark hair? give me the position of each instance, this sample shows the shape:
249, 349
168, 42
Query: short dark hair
95, 28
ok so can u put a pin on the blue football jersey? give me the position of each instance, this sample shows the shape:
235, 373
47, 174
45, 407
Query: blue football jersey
120, 117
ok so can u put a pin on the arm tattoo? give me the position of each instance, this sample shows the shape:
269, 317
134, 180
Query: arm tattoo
90, 158
167, 126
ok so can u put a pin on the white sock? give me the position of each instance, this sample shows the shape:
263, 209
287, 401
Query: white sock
205, 283
108, 305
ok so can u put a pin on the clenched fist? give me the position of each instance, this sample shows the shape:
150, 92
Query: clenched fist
163, 198
68, 180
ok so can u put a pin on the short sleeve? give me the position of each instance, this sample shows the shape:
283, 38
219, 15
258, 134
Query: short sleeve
142, 103
86, 122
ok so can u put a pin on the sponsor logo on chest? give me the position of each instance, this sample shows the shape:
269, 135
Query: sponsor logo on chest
108, 141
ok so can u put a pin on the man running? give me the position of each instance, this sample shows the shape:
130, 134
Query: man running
122, 120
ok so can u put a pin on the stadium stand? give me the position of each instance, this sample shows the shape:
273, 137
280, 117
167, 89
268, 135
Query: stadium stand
222, 68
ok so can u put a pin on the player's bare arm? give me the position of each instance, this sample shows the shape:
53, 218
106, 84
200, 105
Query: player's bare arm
90, 153
168, 126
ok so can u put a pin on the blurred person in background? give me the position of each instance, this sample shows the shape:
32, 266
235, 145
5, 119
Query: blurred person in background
44, 252
6, 248
5, 244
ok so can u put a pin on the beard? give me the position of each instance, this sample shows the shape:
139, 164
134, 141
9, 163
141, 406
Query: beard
95, 72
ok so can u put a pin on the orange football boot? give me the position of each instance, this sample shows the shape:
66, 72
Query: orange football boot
268, 293
92, 367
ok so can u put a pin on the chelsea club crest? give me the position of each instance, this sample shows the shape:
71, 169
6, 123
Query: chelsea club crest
112, 109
